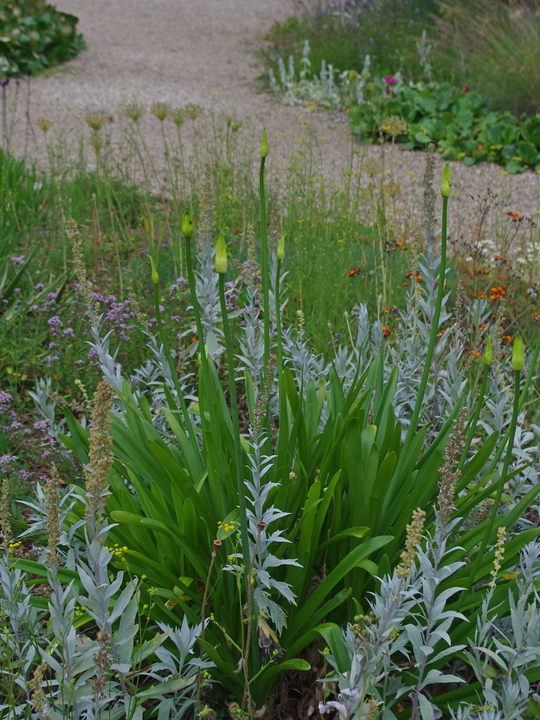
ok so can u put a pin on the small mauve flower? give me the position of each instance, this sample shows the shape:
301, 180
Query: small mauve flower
68, 332
42, 424
18, 260
389, 80
39, 287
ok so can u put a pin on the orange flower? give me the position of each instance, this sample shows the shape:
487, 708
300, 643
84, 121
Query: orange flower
399, 244
193, 339
536, 316
385, 331
409, 274
418, 278
508, 338
354, 271
404, 283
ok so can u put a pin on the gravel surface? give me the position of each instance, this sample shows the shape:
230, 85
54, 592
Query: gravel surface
202, 51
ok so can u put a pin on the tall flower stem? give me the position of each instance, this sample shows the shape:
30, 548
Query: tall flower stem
432, 337
244, 536
264, 251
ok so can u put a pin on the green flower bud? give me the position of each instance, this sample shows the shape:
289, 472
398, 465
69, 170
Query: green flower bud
187, 224
446, 181
281, 248
264, 143
228, 120
518, 354
488, 352
155, 276
221, 256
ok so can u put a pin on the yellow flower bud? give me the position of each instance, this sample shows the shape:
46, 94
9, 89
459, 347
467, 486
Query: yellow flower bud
220, 259
187, 224
155, 276
488, 352
518, 354
281, 248
446, 181
264, 143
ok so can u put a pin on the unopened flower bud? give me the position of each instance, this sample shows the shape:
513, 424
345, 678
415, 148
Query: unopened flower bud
264, 143
155, 276
518, 354
446, 181
187, 224
281, 248
220, 260
488, 352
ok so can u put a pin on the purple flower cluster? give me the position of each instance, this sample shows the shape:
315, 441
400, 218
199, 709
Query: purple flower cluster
120, 314
18, 260
180, 284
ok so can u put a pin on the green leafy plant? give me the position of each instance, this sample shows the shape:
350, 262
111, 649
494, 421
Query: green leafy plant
462, 124
34, 35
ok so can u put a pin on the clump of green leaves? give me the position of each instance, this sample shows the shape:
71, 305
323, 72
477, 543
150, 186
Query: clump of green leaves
462, 124
34, 35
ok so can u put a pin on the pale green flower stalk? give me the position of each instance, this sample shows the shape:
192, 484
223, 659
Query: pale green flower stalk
264, 247
221, 265
446, 183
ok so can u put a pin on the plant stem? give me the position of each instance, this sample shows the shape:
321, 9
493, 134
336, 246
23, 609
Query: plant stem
432, 341
264, 264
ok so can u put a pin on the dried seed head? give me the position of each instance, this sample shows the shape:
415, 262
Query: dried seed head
134, 112
100, 458
5, 525
499, 556
96, 120
178, 116
394, 125
372, 167
193, 111
96, 141
413, 538
44, 124
161, 111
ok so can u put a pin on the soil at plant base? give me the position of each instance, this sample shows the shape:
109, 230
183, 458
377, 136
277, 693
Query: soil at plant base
203, 52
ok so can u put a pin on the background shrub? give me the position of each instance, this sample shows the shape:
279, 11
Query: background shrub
34, 35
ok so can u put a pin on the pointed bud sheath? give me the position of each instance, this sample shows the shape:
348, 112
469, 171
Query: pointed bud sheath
446, 181
488, 352
220, 260
187, 224
518, 354
264, 143
154, 272
281, 248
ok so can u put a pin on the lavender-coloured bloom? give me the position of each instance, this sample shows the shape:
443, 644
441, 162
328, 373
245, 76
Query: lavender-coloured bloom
6, 460
5, 400
42, 424
19, 260
39, 287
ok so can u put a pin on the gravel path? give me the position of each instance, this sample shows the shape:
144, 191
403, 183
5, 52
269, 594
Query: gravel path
201, 51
